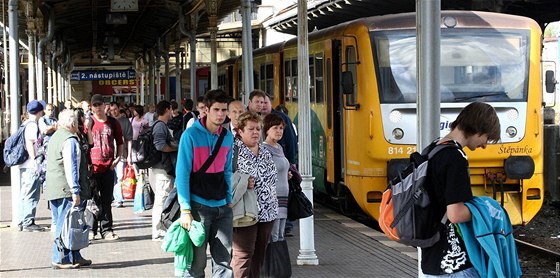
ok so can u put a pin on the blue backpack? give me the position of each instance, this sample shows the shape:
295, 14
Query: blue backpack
14, 148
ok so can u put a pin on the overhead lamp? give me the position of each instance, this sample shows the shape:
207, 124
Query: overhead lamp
329, 9
347, 2
337, 6
321, 12
313, 14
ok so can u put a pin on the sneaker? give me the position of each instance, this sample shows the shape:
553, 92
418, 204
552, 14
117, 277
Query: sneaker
111, 236
33, 228
93, 236
118, 204
65, 266
20, 227
83, 262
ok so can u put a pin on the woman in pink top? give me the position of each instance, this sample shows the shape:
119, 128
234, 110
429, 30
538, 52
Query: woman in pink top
138, 121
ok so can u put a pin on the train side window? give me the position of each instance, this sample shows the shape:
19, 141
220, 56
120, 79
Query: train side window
329, 94
351, 63
262, 80
294, 80
312, 79
319, 93
269, 80
240, 88
287, 81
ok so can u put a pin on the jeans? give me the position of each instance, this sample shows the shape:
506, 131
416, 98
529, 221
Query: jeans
218, 225
59, 209
29, 195
117, 191
105, 184
467, 273
278, 230
161, 183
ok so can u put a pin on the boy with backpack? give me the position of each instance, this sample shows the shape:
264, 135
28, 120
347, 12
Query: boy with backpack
448, 186
205, 153
30, 184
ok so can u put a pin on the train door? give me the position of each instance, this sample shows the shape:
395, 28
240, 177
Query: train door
337, 111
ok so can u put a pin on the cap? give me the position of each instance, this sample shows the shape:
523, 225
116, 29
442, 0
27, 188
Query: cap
97, 98
34, 106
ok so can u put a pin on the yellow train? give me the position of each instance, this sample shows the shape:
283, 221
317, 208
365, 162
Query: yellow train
364, 123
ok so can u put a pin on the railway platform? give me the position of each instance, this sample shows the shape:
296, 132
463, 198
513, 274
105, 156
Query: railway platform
345, 248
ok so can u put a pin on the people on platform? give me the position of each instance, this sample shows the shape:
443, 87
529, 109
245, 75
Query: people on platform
249, 243
256, 101
161, 179
273, 129
29, 191
66, 185
139, 123
189, 112
235, 108
208, 198
126, 127
48, 123
175, 124
151, 114
449, 188
105, 134
200, 108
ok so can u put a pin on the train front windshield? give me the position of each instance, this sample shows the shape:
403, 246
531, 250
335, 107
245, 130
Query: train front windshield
476, 64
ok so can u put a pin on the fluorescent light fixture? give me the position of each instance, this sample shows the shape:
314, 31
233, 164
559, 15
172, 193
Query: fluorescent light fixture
347, 2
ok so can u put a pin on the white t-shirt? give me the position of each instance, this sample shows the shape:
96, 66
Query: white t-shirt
31, 132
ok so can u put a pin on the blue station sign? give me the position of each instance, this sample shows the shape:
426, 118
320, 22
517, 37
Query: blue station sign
89, 75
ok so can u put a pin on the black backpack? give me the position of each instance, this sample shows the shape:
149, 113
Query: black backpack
171, 209
144, 152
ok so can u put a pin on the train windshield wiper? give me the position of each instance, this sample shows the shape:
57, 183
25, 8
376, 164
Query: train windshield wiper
502, 94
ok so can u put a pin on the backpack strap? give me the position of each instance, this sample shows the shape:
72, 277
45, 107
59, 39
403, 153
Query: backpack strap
214, 152
433, 151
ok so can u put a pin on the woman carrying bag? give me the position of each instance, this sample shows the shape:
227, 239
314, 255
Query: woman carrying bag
249, 243
277, 259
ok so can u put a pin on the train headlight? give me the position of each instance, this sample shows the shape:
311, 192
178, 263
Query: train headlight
395, 116
519, 167
449, 21
398, 133
511, 131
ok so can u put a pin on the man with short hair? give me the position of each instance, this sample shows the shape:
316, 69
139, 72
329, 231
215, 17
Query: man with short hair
235, 108
200, 108
104, 133
126, 127
150, 115
204, 201
161, 176
175, 124
66, 185
29, 191
449, 187
256, 101
47, 123
188, 112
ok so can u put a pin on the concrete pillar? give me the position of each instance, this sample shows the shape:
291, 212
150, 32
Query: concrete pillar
247, 55
178, 92
31, 39
307, 254
14, 100
213, 58
428, 72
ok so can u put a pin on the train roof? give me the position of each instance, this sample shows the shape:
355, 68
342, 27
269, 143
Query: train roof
466, 19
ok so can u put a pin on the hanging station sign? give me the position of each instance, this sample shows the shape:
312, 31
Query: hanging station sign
106, 75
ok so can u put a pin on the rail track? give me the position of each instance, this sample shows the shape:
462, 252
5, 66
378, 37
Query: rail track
541, 250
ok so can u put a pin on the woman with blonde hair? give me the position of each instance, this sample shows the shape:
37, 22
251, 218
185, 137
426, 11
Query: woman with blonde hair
249, 243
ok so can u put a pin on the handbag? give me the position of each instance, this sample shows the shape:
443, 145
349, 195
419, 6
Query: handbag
128, 182
200, 180
298, 204
139, 196
149, 196
74, 231
277, 260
